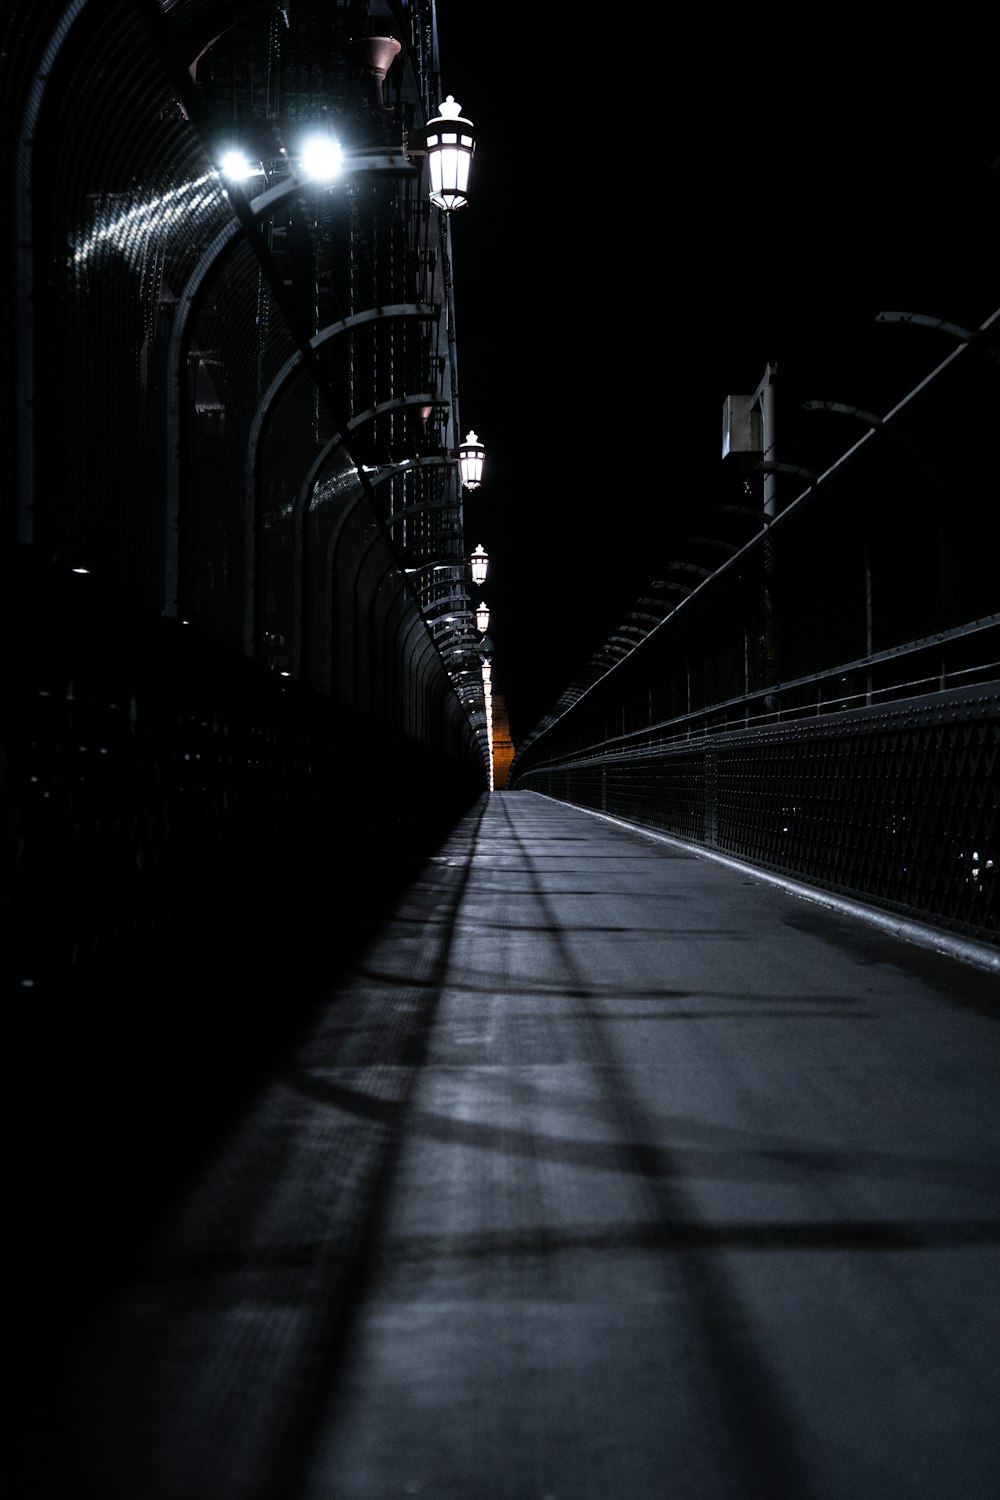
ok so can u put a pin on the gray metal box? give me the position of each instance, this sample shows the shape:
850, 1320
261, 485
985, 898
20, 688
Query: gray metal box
741, 427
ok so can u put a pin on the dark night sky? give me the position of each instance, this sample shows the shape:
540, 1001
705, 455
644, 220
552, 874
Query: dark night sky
656, 216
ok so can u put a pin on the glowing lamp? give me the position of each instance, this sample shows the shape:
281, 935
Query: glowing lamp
450, 144
479, 561
471, 455
235, 166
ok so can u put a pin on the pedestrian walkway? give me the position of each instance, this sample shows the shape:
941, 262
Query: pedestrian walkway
610, 1171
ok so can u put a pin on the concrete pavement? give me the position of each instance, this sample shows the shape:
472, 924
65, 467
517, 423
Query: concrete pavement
608, 1170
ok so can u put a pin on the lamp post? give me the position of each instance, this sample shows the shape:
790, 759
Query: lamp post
482, 617
748, 431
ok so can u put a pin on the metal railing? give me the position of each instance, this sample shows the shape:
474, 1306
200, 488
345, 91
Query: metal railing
825, 702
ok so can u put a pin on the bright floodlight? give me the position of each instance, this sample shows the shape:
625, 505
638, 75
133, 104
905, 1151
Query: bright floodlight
322, 158
235, 166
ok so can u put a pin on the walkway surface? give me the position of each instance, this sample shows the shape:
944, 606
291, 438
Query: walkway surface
609, 1172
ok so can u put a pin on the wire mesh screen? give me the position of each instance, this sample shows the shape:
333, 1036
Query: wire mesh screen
824, 703
202, 376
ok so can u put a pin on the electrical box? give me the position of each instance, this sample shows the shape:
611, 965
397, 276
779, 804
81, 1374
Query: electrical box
741, 429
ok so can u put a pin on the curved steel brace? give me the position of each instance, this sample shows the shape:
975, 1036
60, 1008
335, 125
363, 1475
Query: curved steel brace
395, 403
392, 162
220, 244
186, 300
374, 315
841, 407
462, 648
794, 469
300, 508
25, 177
265, 408
684, 567
440, 564
333, 543
318, 341
963, 336
456, 633
392, 471
921, 320
416, 510
411, 622
453, 654
447, 601
439, 561
876, 426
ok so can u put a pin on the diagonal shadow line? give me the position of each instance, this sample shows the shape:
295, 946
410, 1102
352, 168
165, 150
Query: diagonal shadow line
735, 1157
545, 988
850, 1235
752, 1409
339, 1288
857, 1236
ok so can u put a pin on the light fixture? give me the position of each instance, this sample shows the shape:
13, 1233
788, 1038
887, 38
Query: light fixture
482, 617
322, 157
479, 560
450, 144
236, 167
376, 54
471, 455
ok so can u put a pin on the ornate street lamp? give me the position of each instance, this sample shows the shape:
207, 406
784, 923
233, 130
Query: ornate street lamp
450, 145
479, 560
482, 617
471, 455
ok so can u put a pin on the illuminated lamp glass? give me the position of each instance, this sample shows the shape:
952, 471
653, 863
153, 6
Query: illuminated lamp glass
471, 455
450, 145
